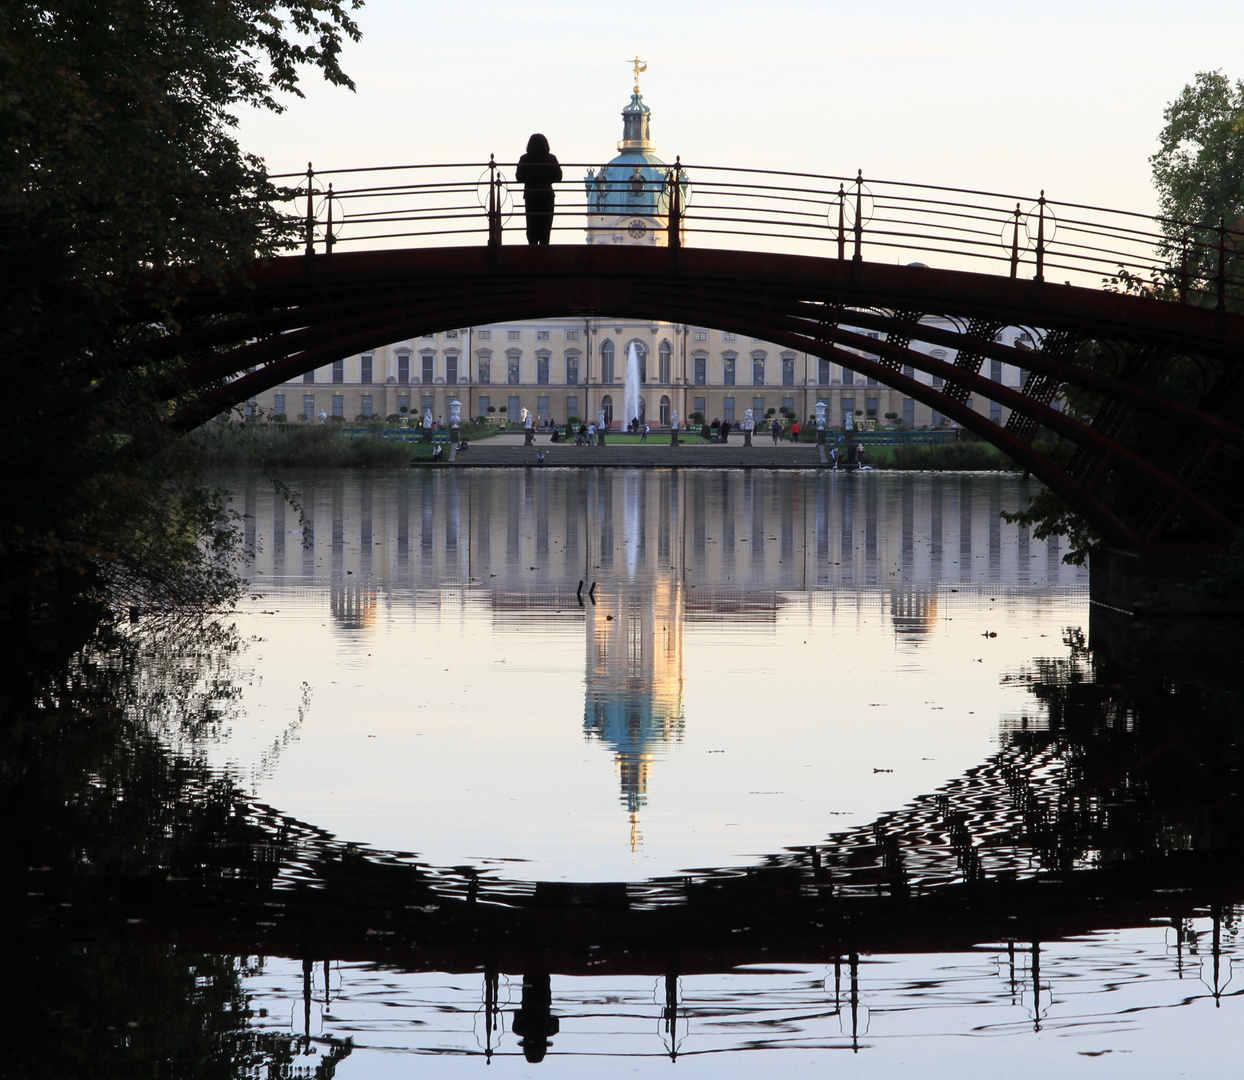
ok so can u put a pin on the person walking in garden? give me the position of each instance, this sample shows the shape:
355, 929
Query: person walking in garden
775, 429
795, 431
538, 170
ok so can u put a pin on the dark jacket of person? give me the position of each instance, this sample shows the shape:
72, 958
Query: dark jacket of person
538, 170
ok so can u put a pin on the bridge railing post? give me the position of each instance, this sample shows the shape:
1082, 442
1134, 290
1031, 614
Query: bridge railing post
675, 204
329, 239
1041, 236
859, 213
1222, 266
310, 221
494, 204
1015, 244
1183, 269
842, 222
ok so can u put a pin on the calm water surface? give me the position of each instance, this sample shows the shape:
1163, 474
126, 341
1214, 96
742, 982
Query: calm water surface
605, 773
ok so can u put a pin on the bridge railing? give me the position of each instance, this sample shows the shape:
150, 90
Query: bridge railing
844, 217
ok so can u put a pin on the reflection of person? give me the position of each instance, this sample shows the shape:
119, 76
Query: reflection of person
538, 171
534, 1021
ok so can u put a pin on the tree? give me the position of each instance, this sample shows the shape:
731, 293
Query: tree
1198, 171
121, 182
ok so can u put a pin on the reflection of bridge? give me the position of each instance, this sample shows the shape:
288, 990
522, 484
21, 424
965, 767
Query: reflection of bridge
1163, 375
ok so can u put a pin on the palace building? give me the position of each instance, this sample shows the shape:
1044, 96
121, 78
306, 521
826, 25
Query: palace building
575, 367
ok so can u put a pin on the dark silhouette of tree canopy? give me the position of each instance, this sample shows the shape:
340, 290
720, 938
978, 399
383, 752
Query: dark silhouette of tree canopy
121, 181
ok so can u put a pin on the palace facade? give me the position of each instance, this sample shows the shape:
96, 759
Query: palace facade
576, 367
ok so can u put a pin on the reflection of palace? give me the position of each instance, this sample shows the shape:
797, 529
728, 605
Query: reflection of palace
654, 551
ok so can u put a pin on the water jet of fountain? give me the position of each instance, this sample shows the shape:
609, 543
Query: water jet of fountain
630, 399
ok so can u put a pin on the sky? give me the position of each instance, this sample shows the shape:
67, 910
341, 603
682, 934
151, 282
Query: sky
1061, 96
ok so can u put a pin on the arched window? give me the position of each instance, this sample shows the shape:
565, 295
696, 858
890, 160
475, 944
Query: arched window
664, 419
606, 404
664, 356
606, 361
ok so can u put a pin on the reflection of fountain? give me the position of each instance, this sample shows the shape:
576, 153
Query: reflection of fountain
630, 400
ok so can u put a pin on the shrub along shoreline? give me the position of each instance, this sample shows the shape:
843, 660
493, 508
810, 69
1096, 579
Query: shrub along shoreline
268, 445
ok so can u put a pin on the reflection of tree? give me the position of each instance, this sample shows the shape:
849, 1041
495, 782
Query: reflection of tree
101, 763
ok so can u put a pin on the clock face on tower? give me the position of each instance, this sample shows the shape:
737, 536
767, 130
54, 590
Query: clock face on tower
637, 229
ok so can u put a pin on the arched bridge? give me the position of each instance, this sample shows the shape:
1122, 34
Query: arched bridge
1130, 409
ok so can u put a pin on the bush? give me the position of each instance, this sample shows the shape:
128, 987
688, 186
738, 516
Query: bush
336, 419
302, 416
492, 408
279, 418
504, 408
392, 418
696, 418
574, 421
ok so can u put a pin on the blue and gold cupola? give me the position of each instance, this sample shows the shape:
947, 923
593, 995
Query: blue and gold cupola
628, 199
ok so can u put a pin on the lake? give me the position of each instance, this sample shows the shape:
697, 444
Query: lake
591, 771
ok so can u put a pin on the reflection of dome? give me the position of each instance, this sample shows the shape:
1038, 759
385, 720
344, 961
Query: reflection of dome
634, 679
353, 606
913, 611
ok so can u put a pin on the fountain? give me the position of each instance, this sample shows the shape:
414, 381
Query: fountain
630, 399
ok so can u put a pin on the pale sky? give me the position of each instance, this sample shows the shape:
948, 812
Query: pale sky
1008, 97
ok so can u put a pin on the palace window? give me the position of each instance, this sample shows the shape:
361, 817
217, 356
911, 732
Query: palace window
788, 371
278, 404
572, 406
542, 335
308, 406
699, 405
758, 409
451, 368
909, 371
339, 405
728, 370
512, 369
995, 370
758, 371
483, 403
542, 409
483, 367
484, 335
366, 365
403, 367
824, 372
700, 365
729, 337
870, 408
428, 372
788, 403
365, 406
572, 335
699, 335
403, 403
452, 335
308, 376
848, 377
606, 361
339, 371
727, 409
663, 363
995, 411
513, 335
909, 411
542, 370
572, 370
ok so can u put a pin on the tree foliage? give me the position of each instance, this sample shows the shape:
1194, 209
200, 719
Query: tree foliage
121, 182
1198, 171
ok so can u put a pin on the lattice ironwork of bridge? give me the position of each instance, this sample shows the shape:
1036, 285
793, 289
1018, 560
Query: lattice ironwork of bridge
1160, 366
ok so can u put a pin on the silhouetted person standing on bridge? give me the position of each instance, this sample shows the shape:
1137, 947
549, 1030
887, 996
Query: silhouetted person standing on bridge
538, 171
